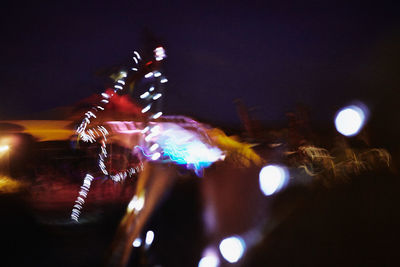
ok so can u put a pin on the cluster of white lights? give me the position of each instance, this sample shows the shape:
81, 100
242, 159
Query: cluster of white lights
147, 241
160, 53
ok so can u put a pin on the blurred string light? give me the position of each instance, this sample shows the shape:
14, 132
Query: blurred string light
350, 120
80, 200
232, 248
100, 133
159, 141
272, 179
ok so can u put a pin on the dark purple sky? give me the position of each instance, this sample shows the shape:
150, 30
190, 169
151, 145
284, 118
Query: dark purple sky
320, 53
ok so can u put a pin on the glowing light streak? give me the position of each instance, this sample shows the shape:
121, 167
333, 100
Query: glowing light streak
105, 95
151, 89
154, 147
157, 74
121, 82
137, 55
149, 238
118, 87
146, 108
157, 115
148, 75
144, 95
164, 80
145, 129
157, 96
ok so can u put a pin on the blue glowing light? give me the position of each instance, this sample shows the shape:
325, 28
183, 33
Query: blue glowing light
186, 147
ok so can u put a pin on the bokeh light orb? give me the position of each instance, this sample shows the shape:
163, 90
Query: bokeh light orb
137, 242
232, 248
273, 178
350, 120
210, 259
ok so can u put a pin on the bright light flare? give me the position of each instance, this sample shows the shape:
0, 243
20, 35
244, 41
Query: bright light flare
157, 96
232, 248
4, 148
148, 75
350, 120
272, 178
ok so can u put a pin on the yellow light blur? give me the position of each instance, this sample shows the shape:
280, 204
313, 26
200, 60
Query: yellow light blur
8, 185
4, 148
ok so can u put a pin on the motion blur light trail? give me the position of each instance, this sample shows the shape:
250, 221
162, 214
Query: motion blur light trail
100, 132
184, 143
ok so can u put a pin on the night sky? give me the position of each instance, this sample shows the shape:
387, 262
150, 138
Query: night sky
319, 53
